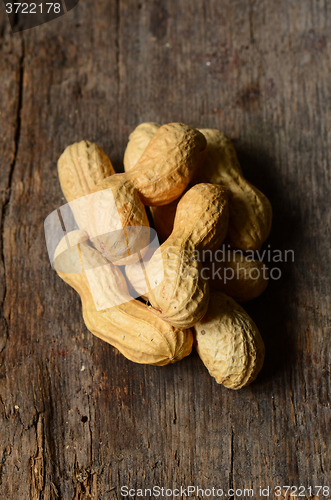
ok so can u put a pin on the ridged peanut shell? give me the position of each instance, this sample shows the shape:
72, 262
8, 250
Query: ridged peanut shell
80, 167
250, 210
167, 164
138, 141
201, 222
117, 221
130, 326
202, 215
229, 343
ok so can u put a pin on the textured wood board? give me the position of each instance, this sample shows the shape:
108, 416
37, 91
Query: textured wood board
77, 419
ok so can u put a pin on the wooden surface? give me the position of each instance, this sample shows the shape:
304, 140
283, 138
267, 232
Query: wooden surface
78, 420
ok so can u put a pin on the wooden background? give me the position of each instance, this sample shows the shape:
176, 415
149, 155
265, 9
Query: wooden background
77, 419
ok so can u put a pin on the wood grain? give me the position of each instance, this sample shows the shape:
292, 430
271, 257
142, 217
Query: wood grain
78, 420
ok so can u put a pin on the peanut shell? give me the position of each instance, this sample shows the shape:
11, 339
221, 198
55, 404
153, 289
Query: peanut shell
229, 343
167, 164
117, 221
138, 141
250, 210
201, 222
130, 326
80, 167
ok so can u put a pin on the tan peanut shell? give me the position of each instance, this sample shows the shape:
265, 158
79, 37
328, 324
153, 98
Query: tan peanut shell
80, 167
241, 278
201, 222
229, 343
167, 164
117, 221
131, 327
250, 210
138, 141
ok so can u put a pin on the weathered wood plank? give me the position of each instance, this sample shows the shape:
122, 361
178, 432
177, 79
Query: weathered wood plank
77, 418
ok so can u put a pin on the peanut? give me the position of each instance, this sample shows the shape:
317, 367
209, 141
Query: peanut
250, 210
201, 222
167, 164
117, 221
80, 167
138, 142
229, 343
139, 139
127, 324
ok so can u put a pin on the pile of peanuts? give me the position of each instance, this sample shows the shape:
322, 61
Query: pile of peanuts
199, 200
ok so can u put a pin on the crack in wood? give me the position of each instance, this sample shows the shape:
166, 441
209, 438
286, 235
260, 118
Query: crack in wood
5, 455
9, 185
231, 464
38, 462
